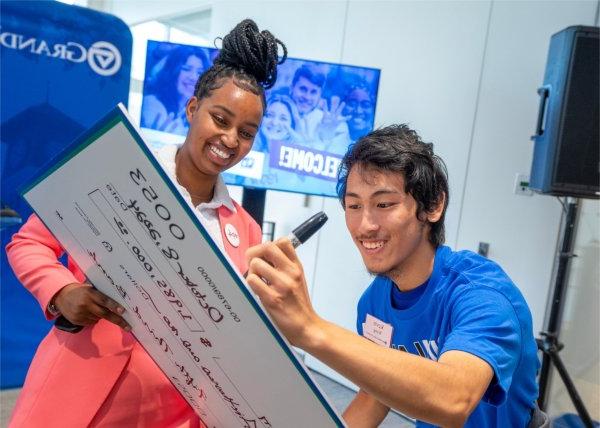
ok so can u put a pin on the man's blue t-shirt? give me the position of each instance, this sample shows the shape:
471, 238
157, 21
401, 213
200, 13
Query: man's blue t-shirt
468, 304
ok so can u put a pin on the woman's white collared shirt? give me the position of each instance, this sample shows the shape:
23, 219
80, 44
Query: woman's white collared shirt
206, 212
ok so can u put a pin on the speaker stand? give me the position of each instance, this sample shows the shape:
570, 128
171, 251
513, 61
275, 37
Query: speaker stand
548, 343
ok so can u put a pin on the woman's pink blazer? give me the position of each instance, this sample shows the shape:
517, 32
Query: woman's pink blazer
72, 374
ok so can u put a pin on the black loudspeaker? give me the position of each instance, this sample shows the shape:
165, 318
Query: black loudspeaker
566, 153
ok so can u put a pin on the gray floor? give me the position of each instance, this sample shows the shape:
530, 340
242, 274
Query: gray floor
339, 395
7, 402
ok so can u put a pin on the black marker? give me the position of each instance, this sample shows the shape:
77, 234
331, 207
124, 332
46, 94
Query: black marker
307, 229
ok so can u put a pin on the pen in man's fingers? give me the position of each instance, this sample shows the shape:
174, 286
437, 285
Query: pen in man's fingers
307, 229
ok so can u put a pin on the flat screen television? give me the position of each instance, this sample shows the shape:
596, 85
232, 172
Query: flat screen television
314, 112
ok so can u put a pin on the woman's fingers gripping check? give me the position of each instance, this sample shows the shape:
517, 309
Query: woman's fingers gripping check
110, 310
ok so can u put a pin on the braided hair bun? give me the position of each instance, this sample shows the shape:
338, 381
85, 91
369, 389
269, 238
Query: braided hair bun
253, 51
249, 56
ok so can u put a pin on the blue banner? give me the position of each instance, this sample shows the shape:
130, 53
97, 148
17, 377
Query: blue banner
63, 67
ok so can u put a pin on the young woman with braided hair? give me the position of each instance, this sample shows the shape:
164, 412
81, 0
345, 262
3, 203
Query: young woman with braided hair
101, 376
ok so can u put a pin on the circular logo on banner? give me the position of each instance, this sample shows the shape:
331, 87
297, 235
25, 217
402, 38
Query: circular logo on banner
104, 58
232, 235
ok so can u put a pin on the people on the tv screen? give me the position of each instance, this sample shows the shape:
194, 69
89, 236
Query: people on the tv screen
169, 90
278, 127
306, 89
321, 111
359, 108
321, 123
279, 123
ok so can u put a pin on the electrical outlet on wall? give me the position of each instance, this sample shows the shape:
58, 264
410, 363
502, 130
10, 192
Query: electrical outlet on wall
483, 249
522, 185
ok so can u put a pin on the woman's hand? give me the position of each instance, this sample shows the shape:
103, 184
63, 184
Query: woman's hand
83, 305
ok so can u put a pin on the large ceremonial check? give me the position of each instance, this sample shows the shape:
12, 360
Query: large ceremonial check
121, 218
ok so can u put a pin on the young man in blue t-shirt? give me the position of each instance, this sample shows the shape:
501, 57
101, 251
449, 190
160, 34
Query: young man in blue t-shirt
450, 338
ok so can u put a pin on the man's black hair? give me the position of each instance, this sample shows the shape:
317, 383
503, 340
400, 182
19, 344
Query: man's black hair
311, 74
249, 57
399, 149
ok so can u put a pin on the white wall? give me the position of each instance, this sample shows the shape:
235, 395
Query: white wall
136, 11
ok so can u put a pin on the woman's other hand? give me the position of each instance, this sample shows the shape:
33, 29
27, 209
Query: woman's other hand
83, 305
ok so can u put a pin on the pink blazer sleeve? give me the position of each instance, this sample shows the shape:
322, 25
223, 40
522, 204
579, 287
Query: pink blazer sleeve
33, 255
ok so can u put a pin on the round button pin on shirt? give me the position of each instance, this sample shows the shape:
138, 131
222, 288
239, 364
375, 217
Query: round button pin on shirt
232, 235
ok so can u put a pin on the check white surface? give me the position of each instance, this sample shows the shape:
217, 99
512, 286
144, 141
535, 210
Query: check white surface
121, 219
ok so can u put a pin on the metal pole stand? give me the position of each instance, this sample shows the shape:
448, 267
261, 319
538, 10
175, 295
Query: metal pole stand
550, 346
548, 343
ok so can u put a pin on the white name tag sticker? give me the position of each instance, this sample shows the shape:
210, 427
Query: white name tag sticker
377, 331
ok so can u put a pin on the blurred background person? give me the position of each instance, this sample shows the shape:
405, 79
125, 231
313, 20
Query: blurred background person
278, 126
359, 108
279, 123
321, 124
173, 86
347, 117
306, 90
